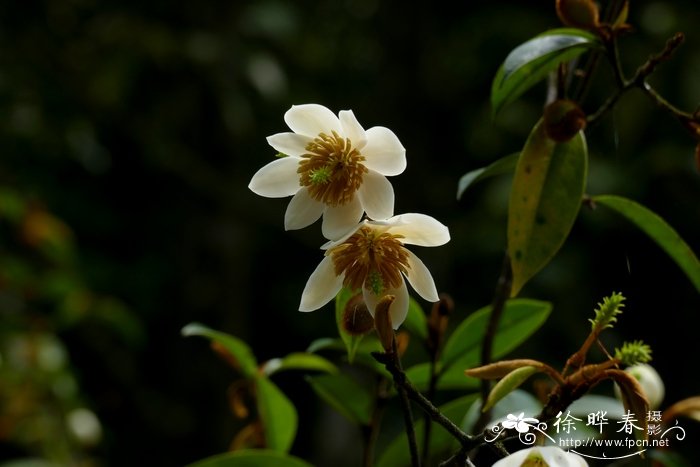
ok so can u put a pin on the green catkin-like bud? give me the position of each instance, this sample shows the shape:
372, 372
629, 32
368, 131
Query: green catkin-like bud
633, 353
375, 282
606, 312
321, 176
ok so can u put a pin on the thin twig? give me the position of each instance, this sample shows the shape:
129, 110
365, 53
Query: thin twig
501, 295
405, 406
414, 394
430, 396
639, 80
371, 432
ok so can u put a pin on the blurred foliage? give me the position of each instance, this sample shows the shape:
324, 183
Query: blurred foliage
130, 131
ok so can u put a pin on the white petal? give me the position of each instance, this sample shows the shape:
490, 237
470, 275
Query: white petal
420, 278
352, 129
303, 210
377, 196
277, 179
419, 229
338, 221
290, 144
321, 287
331, 243
398, 309
312, 119
552, 455
384, 152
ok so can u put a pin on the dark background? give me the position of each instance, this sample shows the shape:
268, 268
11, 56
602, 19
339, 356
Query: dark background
136, 127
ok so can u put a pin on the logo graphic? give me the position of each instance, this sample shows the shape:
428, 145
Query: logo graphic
627, 433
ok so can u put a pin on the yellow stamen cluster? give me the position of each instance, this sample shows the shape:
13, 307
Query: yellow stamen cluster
371, 258
332, 169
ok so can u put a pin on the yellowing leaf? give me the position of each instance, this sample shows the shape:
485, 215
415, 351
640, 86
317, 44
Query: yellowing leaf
545, 199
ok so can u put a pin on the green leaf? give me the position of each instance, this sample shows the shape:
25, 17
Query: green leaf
238, 349
251, 458
362, 353
508, 384
520, 319
277, 414
499, 167
345, 395
442, 444
415, 322
299, 361
449, 380
532, 61
545, 199
660, 232
351, 341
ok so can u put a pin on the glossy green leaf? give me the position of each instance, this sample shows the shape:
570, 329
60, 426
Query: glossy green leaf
501, 166
351, 341
299, 361
416, 322
345, 395
362, 352
238, 349
508, 384
520, 319
545, 199
277, 414
251, 458
660, 232
449, 380
442, 444
533, 60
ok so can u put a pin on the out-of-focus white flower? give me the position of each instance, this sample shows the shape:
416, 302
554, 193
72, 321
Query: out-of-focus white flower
373, 258
521, 423
542, 456
333, 168
651, 382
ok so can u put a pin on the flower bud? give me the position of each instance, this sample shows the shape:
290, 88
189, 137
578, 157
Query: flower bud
650, 381
438, 319
563, 119
382, 323
357, 320
578, 13
542, 456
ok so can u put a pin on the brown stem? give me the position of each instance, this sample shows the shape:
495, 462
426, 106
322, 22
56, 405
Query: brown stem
435, 415
405, 405
501, 296
639, 80
371, 432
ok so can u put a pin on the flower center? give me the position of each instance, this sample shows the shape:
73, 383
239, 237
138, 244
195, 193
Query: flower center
332, 169
371, 259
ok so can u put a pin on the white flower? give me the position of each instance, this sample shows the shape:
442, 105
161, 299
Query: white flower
542, 456
372, 257
333, 168
650, 381
520, 423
